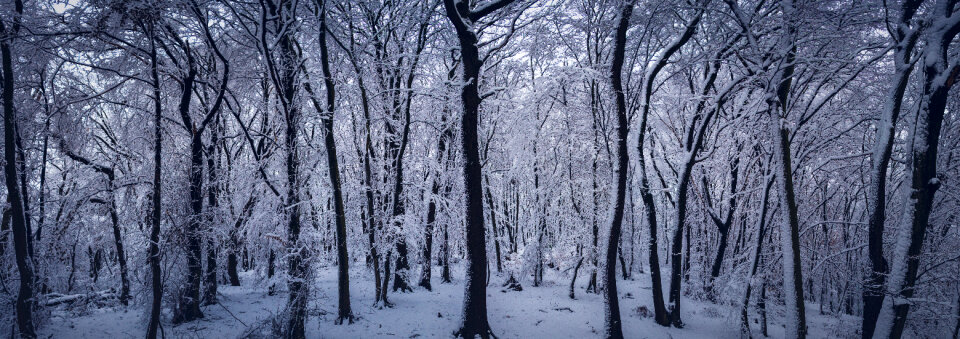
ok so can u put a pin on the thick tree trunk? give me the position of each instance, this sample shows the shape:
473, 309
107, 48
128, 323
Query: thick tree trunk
475, 292
676, 260
612, 323
189, 301
780, 90
213, 204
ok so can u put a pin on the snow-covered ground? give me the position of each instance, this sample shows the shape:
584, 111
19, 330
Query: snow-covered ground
535, 312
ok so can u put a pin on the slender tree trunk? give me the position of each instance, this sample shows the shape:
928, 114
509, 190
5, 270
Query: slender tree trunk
445, 271
118, 242
493, 224
285, 69
154, 247
576, 269
343, 260
938, 77
761, 230
14, 196
723, 227
612, 326
873, 295
245, 213
660, 313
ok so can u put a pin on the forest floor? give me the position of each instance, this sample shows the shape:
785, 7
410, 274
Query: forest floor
536, 312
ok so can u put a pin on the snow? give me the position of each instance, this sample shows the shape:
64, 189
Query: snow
535, 312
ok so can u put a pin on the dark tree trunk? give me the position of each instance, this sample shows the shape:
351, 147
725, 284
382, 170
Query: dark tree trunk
43, 180
676, 247
592, 283
475, 295
432, 211
25, 197
445, 271
723, 226
118, 242
576, 269
493, 225
761, 226
780, 87
213, 204
873, 294
21, 235
427, 264
938, 77
612, 326
343, 260
284, 67
245, 213
762, 305
154, 247
111, 205
188, 308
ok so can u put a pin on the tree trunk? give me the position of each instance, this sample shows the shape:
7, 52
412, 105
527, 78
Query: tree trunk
660, 313
780, 90
343, 260
285, 69
493, 224
676, 248
118, 242
154, 247
14, 197
462, 17
576, 269
213, 204
761, 230
612, 326
873, 295
938, 78
245, 213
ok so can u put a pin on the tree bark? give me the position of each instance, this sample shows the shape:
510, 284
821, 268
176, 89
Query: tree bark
20, 231
939, 75
213, 204
612, 323
761, 230
475, 297
343, 260
154, 247
660, 313
873, 295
